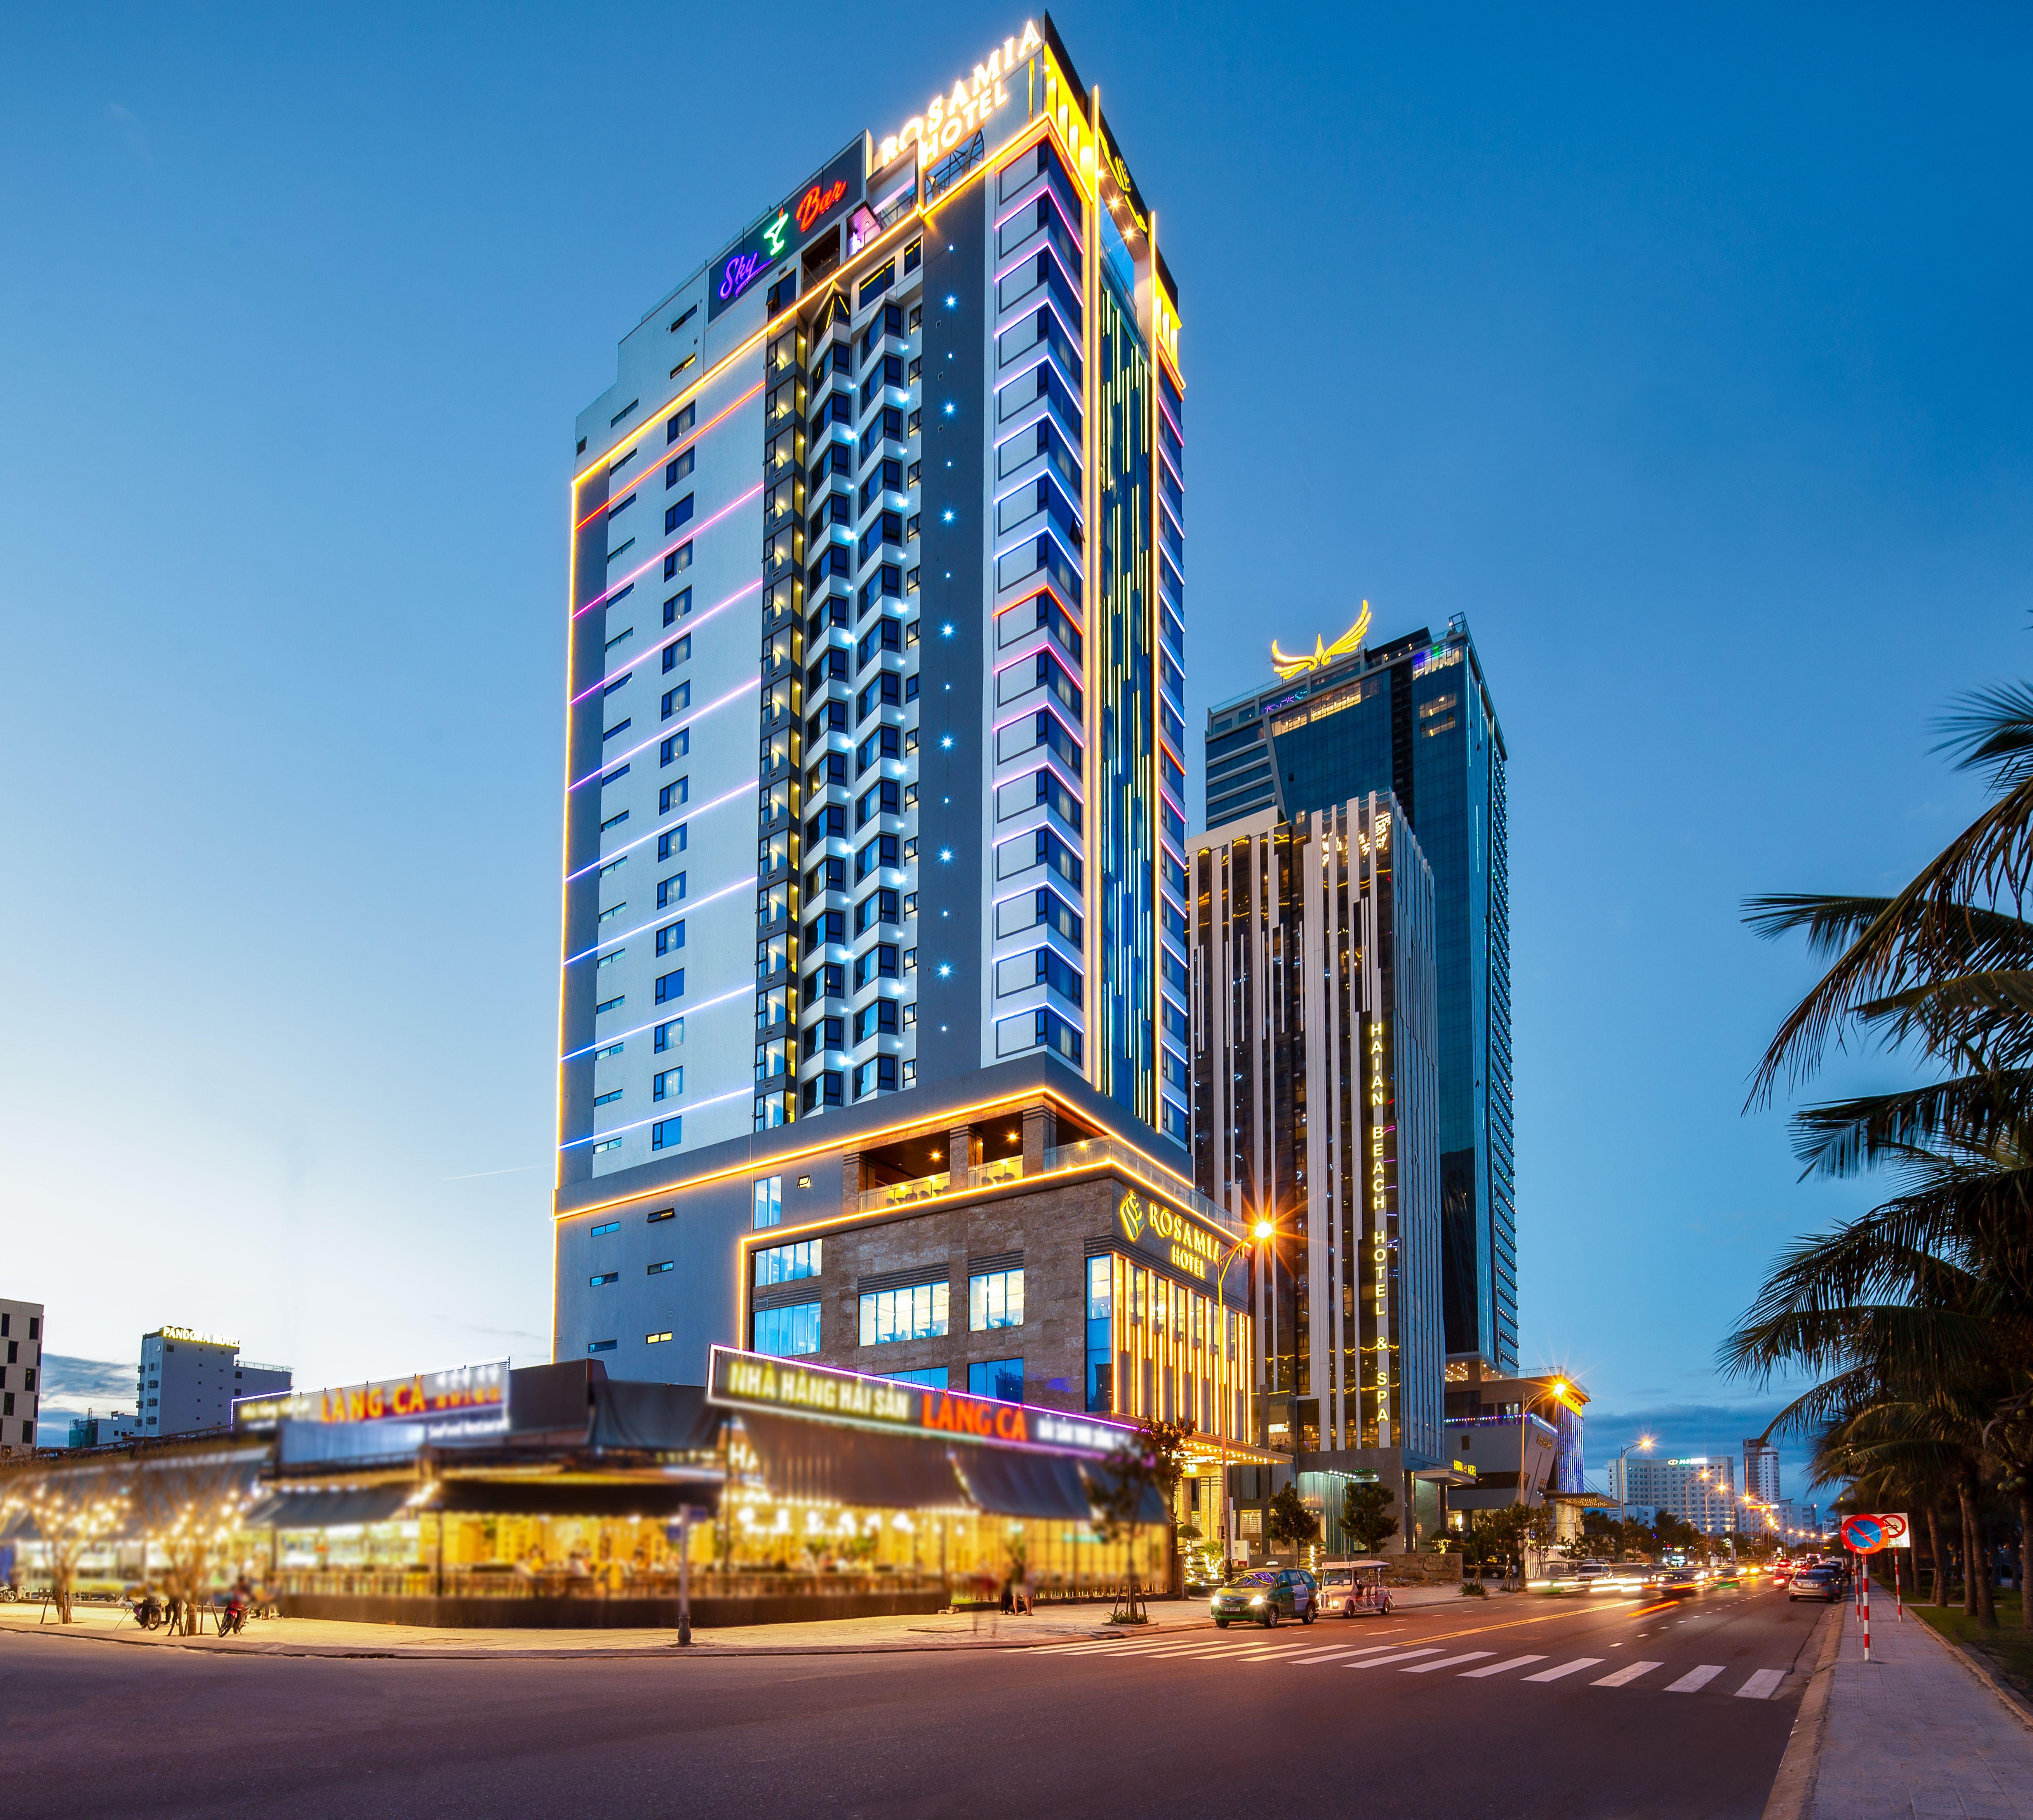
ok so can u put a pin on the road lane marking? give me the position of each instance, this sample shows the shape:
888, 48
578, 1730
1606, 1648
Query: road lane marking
1573, 1668
1696, 1678
1396, 1656
1501, 1667
1761, 1685
1624, 1677
1321, 1655
1266, 1652
1446, 1662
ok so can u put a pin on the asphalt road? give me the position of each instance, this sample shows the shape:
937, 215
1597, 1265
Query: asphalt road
1519, 1708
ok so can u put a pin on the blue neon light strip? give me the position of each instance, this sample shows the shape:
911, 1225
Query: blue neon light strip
613, 1036
677, 1107
747, 789
682, 908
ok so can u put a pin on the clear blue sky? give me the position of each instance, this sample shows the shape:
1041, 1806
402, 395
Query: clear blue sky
1686, 355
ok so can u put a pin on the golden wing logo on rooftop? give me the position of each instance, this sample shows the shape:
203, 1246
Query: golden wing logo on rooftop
1289, 666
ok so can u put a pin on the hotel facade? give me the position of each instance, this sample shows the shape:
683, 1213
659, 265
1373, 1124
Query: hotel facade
873, 982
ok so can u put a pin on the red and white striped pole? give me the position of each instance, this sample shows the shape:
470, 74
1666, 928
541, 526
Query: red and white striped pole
1864, 1560
1898, 1596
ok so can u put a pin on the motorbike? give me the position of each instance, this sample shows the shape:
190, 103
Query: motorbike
232, 1615
147, 1610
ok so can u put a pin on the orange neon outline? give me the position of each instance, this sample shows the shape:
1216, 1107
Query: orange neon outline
925, 1126
674, 449
1226, 1369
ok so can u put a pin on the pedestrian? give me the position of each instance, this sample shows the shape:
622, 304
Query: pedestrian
1028, 1591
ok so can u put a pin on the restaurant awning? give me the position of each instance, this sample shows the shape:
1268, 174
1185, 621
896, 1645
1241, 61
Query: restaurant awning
1015, 1484
534, 1497
673, 1418
299, 1510
804, 1459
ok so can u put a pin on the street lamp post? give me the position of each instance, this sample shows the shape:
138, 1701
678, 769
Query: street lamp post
1643, 1445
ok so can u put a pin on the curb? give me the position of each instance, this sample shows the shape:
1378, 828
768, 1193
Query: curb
1793, 1787
724, 1651
2013, 1702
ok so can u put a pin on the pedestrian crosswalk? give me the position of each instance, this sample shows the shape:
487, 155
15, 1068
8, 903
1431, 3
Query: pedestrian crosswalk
1405, 1658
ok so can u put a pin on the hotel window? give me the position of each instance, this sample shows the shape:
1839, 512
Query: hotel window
668, 1084
1000, 1378
605, 1228
669, 1264
601, 1346
667, 1133
655, 1339
668, 1035
786, 1263
1100, 1305
787, 1333
604, 1278
995, 1299
769, 1202
891, 1315
932, 1377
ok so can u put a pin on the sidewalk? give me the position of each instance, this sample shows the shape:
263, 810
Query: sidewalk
1914, 1732
962, 1630
319, 1637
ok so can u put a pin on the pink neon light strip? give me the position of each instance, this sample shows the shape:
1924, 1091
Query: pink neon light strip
636, 1030
1025, 259
659, 736
1017, 208
689, 621
744, 790
691, 531
681, 909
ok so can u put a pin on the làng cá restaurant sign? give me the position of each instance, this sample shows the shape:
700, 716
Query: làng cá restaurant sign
746, 1380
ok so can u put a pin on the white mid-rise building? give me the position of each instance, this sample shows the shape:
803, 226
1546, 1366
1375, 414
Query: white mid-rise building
187, 1382
20, 1374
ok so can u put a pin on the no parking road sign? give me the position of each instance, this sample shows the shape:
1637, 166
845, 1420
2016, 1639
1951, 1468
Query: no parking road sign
1868, 1532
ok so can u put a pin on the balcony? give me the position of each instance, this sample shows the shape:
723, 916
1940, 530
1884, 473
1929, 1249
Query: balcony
1088, 1153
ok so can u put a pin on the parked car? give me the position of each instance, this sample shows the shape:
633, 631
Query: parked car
1677, 1582
1266, 1595
1829, 1583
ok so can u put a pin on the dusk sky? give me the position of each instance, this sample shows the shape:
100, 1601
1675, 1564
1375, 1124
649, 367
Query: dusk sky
1685, 354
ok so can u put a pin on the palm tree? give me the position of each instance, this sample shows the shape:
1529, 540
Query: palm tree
1919, 1315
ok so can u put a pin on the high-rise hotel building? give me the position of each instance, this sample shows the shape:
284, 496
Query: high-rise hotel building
874, 825
1413, 718
1316, 1110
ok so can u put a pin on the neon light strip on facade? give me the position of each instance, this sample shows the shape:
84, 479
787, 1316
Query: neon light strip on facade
747, 789
615, 1036
674, 449
680, 910
691, 531
692, 715
691, 622
678, 1108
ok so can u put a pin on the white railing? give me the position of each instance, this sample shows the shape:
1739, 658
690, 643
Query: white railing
1088, 1153
1091, 1151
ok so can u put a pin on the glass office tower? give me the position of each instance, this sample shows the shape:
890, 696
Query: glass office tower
1415, 717
878, 538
